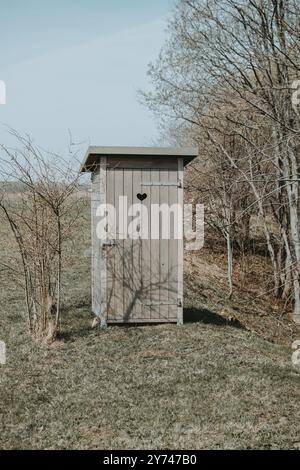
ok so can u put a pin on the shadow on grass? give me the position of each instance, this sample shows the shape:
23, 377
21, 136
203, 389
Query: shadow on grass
76, 321
78, 325
194, 315
71, 335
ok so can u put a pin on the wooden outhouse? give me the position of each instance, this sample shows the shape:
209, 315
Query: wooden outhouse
136, 278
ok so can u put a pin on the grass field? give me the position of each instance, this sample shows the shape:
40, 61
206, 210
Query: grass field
211, 384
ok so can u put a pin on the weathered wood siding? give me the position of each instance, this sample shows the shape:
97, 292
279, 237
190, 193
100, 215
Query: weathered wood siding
143, 277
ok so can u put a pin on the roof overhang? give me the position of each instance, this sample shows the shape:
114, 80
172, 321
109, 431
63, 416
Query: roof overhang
94, 154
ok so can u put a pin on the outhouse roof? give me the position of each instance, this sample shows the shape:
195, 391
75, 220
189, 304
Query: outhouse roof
94, 154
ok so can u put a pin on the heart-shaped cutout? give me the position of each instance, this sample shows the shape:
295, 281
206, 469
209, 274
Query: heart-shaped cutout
141, 197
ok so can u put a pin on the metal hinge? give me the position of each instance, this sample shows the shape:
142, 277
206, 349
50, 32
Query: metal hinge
178, 184
157, 304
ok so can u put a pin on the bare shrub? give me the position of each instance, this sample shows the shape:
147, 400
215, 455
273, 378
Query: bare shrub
41, 215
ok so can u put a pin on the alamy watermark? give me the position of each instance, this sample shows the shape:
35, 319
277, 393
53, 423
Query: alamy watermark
296, 353
2, 92
153, 222
2, 353
296, 96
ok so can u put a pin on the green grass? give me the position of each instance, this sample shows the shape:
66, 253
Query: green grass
206, 385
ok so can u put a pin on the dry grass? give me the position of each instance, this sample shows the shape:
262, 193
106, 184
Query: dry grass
210, 384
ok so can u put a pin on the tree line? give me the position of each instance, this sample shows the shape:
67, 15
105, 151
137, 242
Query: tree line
226, 79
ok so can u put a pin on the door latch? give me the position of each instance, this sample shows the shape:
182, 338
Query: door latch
108, 243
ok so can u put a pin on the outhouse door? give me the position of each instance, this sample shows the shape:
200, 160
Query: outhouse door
143, 273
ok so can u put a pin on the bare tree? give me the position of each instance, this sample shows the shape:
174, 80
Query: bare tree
228, 71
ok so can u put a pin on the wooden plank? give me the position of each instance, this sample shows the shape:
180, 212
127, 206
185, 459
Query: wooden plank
173, 249
140, 321
110, 251
136, 253
146, 249
180, 246
164, 252
127, 247
96, 264
102, 254
118, 248
155, 253
95, 185
96, 245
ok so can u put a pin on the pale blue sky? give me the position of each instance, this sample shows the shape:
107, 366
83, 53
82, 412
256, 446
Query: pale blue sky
77, 65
